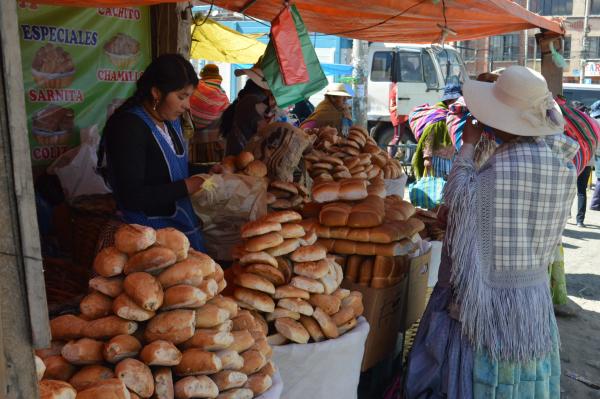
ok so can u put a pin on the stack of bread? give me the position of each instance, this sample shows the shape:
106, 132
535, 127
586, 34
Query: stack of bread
434, 229
357, 156
285, 275
244, 163
285, 196
155, 325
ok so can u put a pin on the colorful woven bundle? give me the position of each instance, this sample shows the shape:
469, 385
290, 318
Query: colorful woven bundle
455, 120
207, 103
423, 115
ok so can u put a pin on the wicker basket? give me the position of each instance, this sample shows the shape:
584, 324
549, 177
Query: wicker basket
89, 216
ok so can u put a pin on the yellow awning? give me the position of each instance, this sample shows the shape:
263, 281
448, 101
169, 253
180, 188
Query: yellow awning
215, 42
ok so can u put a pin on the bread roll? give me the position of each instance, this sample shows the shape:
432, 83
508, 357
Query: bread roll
230, 359
253, 360
111, 287
226, 326
355, 301
209, 340
296, 305
57, 368
309, 238
341, 293
258, 257
271, 198
244, 321
198, 362
349, 325
269, 369
136, 376
237, 393
311, 325
256, 168
366, 272
152, 260
254, 299
210, 315
353, 267
307, 284
330, 304
292, 230
284, 186
109, 262
83, 351
335, 214
53, 350
263, 347
175, 240
126, 308
67, 327
227, 303
190, 271
255, 282
221, 285
310, 253
243, 159
327, 325
163, 383
353, 190
344, 315
281, 312
286, 247
242, 341
289, 291
112, 388
260, 323
132, 238
176, 326
90, 375
292, 330
229, 379
283, 217
228, 164
40, 367
183, 296
272, 274
108, 327
259, 383
277, 340
210, 287
121, 347
55, 389
263, 242
196, 387
313, 270
285, 267
144, 290
258, 228
160, 353
95, 305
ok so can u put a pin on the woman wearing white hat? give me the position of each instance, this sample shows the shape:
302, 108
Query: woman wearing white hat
332, 111
489, 328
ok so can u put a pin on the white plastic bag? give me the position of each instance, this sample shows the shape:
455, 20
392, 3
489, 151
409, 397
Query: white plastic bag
76, 168
324, 370
396, 186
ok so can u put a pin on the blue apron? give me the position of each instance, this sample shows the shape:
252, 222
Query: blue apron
184, 219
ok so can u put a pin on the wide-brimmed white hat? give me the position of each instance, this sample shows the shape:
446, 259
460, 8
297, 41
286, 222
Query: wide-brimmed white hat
519, 102
255, 74
337, 89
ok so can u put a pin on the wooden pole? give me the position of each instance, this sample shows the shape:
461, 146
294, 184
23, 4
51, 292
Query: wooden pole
552, 72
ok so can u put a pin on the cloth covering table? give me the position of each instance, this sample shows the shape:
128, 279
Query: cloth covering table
276, 389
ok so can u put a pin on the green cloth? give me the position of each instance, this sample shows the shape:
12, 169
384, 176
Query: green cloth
435, 137
558, 281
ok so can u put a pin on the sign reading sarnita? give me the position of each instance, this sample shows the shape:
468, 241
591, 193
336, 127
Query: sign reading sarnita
54, 34
55, 96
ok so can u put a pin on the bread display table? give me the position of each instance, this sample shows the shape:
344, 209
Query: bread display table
324, 370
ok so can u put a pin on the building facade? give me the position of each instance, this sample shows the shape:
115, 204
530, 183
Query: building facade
521, 48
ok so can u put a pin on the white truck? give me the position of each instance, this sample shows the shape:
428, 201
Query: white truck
421, 72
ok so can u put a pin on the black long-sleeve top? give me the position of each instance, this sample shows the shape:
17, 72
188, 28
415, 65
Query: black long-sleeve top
138, 172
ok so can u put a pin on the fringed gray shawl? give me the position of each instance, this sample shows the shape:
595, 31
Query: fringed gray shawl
505, 221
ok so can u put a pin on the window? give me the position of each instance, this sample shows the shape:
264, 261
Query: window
410, 67
532, 46
381, 69
595, 7
505, 47
468, 50
567, 47
552, 7
429, 71
593, 47
451, 66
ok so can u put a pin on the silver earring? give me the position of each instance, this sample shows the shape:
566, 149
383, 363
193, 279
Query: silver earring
155, 104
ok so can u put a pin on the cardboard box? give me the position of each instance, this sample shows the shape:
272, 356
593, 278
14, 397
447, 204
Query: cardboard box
417, 289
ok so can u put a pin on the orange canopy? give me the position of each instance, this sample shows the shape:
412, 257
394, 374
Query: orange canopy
415, 21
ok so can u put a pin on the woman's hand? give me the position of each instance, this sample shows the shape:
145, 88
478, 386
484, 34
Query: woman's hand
194, 184
472, 131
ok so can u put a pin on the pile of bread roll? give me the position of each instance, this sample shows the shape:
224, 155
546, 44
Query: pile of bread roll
155, 325
244, 163
283, 195
283, 274
357, 156
434, 229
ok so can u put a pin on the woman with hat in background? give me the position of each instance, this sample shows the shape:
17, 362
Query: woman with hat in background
253, 109
332, 111
489, 329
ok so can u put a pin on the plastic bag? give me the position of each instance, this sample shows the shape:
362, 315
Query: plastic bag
224, 205
76, 168
427, 192
395, 186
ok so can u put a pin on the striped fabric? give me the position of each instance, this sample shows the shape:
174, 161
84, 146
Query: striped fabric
423, 115
207, 103
583, 129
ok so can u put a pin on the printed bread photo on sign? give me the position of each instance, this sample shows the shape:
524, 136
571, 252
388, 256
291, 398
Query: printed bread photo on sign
154, 324
122, 50
52, 67
53, 125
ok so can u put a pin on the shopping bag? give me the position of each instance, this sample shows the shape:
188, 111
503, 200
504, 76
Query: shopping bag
288, 48
427, 192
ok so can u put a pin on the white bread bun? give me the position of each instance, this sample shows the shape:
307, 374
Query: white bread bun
199, 386
242, 341
124, 307
160, 353
313, 328
296, 305
209, 340
284, 186
176, 326
210, 287
292, 230
250, 258
292, 330
121, 347
327, 325
286, 247
40, 367
95, 305
163, 383
254, 299
259, 383
255, 282
57, 368
313, 270
132, 238
110, 262
108, 327
355, 301
253, 361
210, 315
230, 359
289, 291
260, 324
227, 303
112, 388
136, 376
326, 192
328, 303
238, 393
310, 253
349, 325
83, 351
341, 293
263, 347
263, 242
191, 271
277, 339
145, 290
344, 315
308, 284
281, 312
198, 362
272, 274
67, 327
283, 217
175, 240
54, 389
269, 369
258, 228
111, 287
183, 297
256, 168
90, 375
285, 266
243, 160
229, 379
244, 321
151, 260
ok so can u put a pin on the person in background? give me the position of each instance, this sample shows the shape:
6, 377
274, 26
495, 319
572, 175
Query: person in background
303, 110
143, 154
253, 109
582, 183
595, 205
398, 121
209, 100
332, 111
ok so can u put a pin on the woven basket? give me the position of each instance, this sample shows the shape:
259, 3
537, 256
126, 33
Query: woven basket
89, 215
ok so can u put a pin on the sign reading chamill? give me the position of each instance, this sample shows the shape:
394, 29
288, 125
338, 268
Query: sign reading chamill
79, 65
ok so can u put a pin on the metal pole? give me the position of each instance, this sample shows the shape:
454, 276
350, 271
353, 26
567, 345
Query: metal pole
584, 43
360, 50
526, 47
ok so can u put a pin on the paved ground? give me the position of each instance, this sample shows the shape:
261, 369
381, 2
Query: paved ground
580, 335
